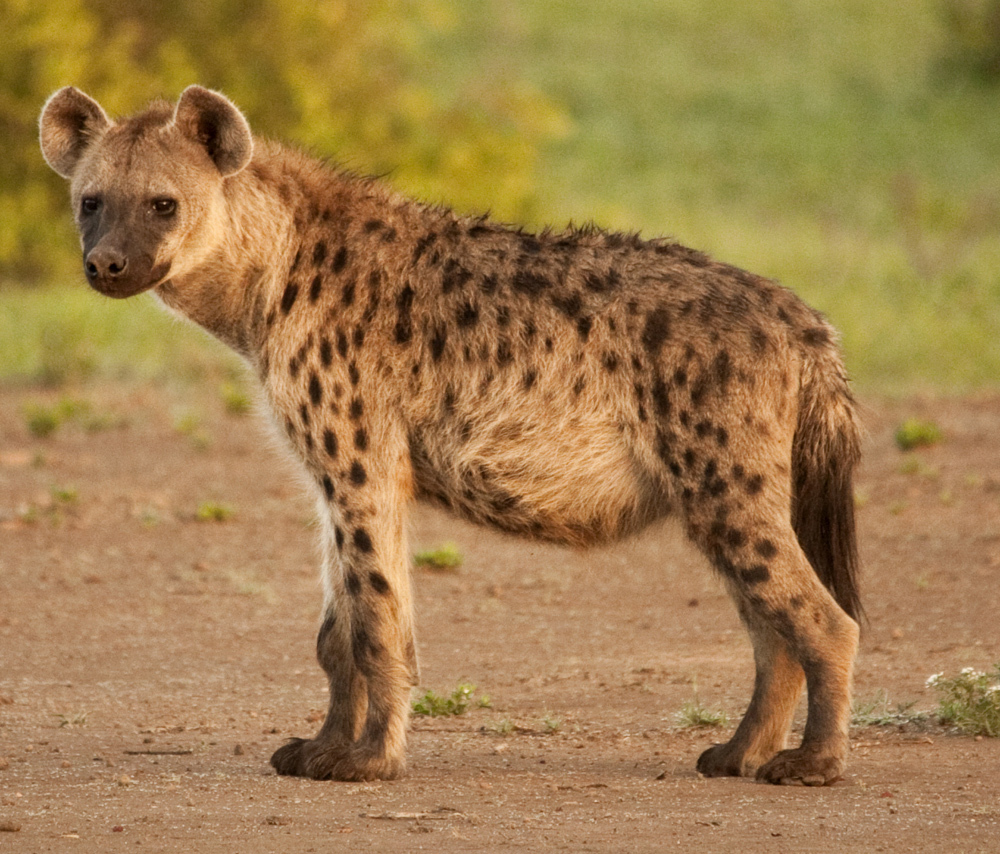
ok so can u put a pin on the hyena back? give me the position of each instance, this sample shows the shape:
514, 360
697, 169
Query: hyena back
567, 386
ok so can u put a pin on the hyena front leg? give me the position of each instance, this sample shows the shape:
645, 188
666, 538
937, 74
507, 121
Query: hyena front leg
365, 644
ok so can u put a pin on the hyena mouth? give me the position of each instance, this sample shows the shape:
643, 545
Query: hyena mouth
123, 286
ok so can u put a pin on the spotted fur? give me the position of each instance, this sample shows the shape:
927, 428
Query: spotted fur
568, 386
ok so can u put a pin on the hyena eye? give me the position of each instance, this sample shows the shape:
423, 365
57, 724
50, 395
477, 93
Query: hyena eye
164, 207
90, 205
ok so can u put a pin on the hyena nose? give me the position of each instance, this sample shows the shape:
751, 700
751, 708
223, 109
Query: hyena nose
103, 263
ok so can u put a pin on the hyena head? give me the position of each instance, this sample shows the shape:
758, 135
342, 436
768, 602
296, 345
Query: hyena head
147, 191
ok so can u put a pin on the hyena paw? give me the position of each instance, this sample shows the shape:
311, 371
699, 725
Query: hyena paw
803, 767
725, 760
309, 758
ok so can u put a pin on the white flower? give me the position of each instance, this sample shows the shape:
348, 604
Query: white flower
971, 671
934, 678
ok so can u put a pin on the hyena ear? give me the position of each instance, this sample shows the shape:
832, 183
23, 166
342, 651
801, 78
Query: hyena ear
213, 121
70, 121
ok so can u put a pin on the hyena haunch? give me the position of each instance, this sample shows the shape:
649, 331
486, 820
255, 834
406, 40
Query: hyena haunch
567, 386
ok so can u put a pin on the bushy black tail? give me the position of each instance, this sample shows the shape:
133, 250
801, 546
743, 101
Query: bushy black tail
826, 448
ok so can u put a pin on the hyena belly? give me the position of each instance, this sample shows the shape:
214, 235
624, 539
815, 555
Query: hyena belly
504, 465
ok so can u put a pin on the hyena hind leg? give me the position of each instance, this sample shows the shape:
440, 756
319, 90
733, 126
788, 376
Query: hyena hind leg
763, 732
798, 630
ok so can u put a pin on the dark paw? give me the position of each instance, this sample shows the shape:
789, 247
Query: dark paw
724, 760
802, 767
308, 758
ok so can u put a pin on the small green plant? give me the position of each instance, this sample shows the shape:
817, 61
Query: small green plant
74, 719
189, 425
65, 494
552, 724
694, 714
876, 711
914, 433
970, 700
213, 511
457, 703
446, 556
235, 399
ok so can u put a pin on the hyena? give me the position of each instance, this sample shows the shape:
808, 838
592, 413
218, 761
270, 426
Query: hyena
571, 386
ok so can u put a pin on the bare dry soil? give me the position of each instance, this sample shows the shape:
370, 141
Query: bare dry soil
150, 662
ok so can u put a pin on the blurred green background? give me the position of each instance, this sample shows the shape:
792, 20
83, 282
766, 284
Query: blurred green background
849, 149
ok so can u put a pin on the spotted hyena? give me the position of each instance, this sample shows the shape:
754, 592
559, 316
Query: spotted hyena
569, 386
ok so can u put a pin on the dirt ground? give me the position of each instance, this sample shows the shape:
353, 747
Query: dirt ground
150, 662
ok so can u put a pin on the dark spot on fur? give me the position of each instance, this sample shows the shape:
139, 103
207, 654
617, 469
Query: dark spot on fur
328, 487
359, 337
680, 377
353, 374
404, 323
570, 305
438, 342
422, 246
379, 583
529, 379
362, 541
353, 583
319, 253
325, 352
530, 283
699, 388
293, 366
661, 396
722, 369
339, 260
722, 436
690, 458
356, 409
315, 390
449, 401
315, 288
288, 297
358, 474
735, 538
583, 325
373, 225
579, 385
759, 340
703, 428
342, 343
304, 415
766, 549
504, 353
296, 261
361, 439
610, 362
338, 535
330, 443
756, 574
347, 297
816, 336
467, 315
656, 331
755, 484
488, 284
454, 277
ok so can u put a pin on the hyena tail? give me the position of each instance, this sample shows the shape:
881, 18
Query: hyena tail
825, 450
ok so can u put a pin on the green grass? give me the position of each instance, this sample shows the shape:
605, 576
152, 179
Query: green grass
827, 145
915, 433
970, 700
431, 704
445, 557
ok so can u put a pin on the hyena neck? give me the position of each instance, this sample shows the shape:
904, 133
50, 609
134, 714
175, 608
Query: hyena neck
273, 212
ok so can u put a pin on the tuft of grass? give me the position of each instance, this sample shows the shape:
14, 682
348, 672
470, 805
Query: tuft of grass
189, 425
445, 557
969, 701
72, 719
213, 511
915, 433
235, 398
65, 494
43, 419
876, 711
694, 715
457, 703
